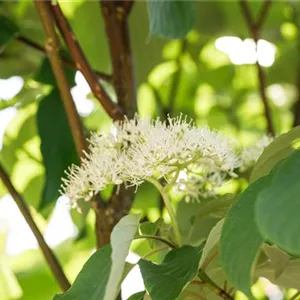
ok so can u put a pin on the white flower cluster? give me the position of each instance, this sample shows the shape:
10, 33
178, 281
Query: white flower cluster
251, 154
138, 149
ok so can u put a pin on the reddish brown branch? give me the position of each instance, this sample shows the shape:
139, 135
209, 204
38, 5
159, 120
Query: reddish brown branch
254, 29
108, 214
68, 62
52, 49
46, 250
127, 6
115, 15
113, 110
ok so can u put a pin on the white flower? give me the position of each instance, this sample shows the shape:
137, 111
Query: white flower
251, 154
138, 149
76, 185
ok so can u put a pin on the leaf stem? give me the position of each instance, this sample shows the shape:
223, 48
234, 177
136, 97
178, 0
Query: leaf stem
158, 238
46, 250
52, 49
169, 208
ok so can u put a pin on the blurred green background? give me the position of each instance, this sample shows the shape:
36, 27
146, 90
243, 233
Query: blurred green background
210, 75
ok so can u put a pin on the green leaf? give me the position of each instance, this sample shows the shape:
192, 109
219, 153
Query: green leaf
8, 30
278, 205
171, 19
45, 74
85, 285
196, 220
212, 240
137, 296
121, 238
79, 218
278, 259
240, 239
290, 278
279, 149
20, 155
145, 199
9, 286
167, 280
57, 144
149, 228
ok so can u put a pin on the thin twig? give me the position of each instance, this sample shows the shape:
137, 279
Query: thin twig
263, 13
113, 110
213, 286
46, 250
262, 90
247, 14
158, 238
295, 296
68, 62
176, 77
254, 28
52, 49
115, 18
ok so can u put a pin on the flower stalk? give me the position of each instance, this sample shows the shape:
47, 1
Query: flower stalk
168, 205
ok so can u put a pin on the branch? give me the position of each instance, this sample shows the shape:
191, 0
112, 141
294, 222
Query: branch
254, 28
108, 214
52, 49
82, 64
127, 6
46, 250
115, 14
68, 62
115, 17
213, 286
